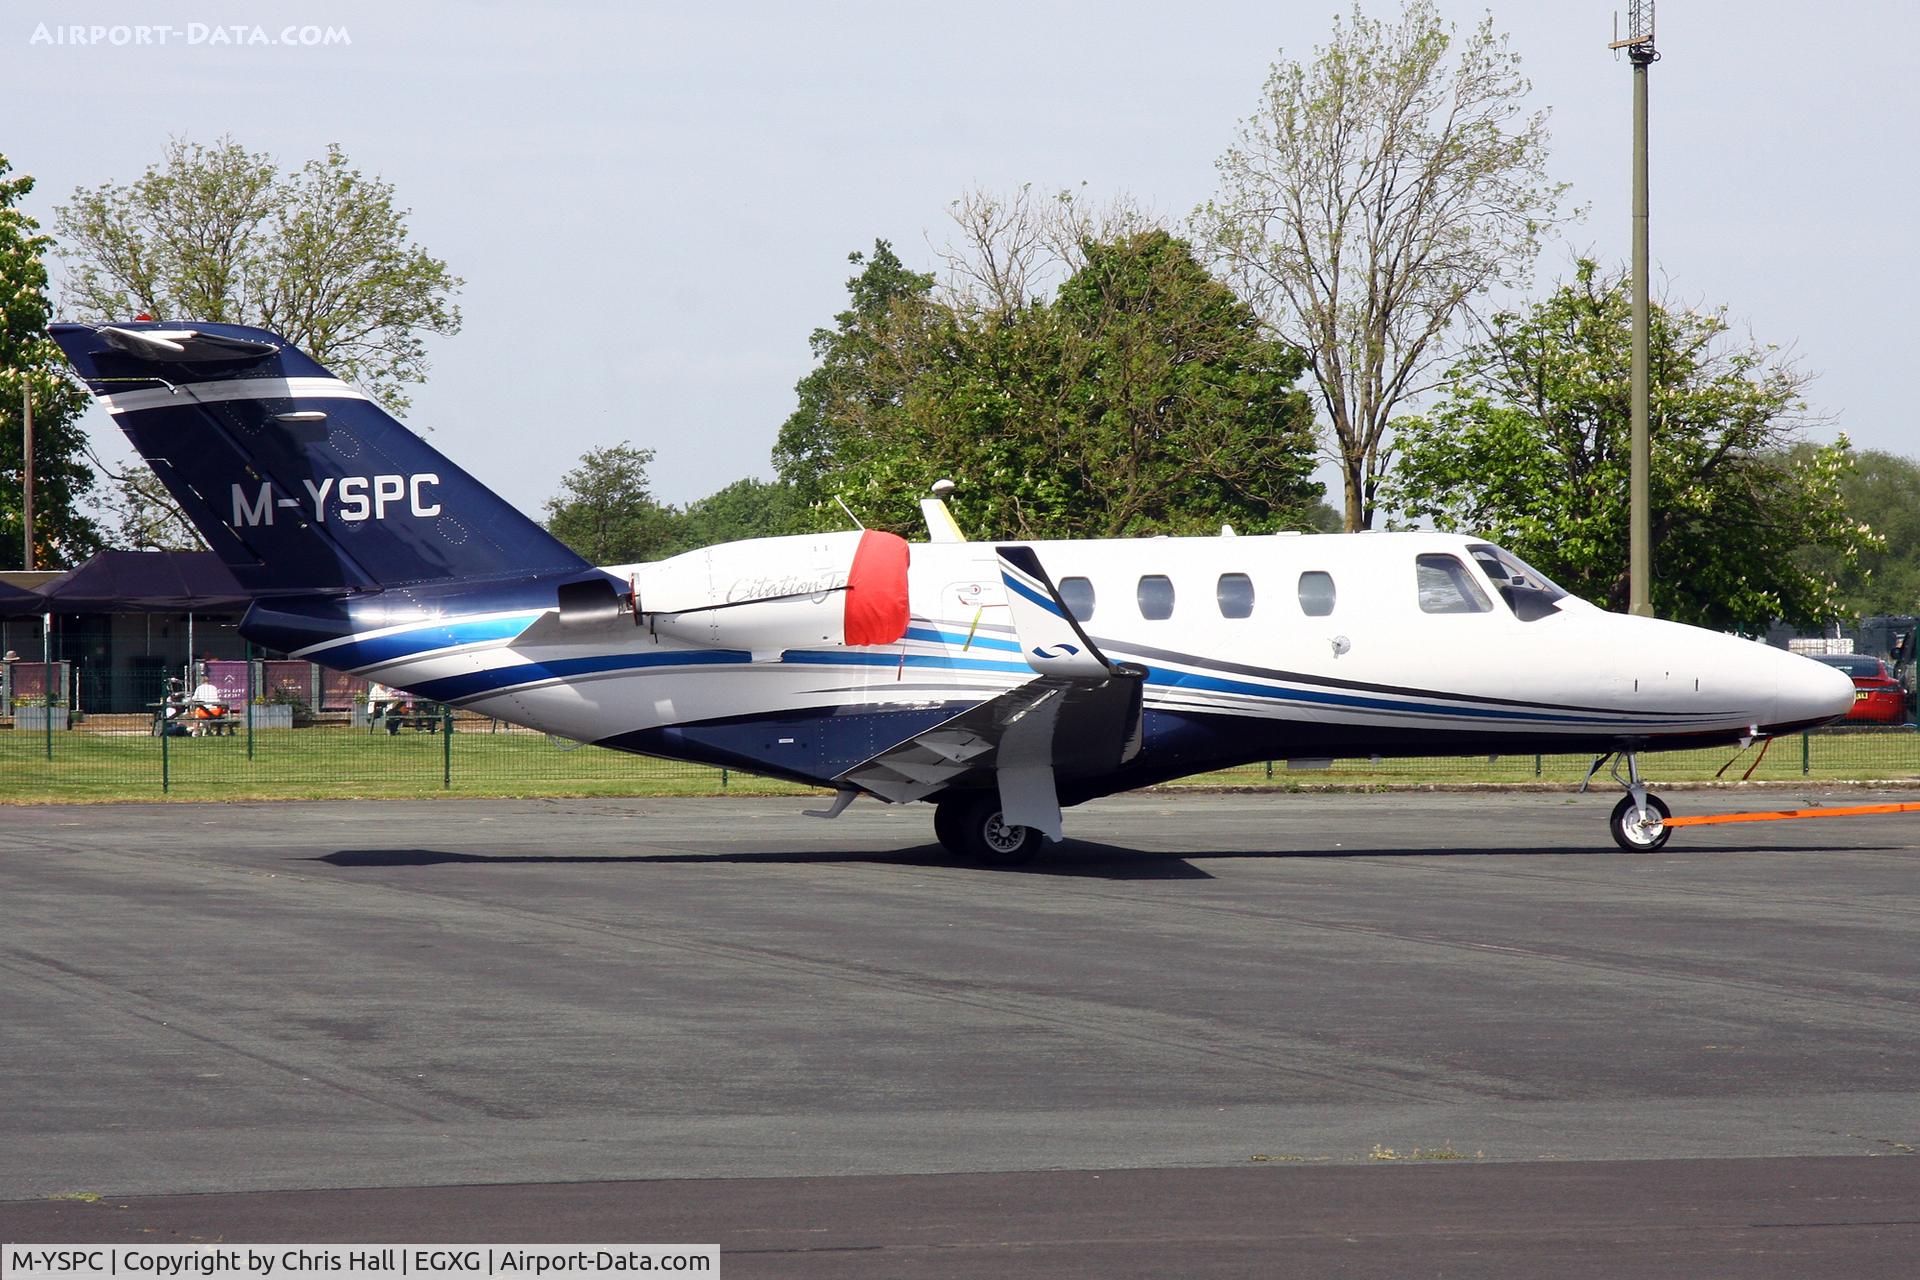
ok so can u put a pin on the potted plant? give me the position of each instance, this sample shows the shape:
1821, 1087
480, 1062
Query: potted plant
33, 713
283, 708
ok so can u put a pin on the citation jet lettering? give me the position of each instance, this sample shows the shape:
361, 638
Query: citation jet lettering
1001, 682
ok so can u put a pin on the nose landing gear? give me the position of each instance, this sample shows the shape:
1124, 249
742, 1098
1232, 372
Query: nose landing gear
1639, 821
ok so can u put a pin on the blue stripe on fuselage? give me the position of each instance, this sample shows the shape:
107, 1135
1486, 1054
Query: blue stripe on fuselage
354, 652
1214, 684
855, 658
474, 684
433, 637
1170, 679
947, 637
1043, 601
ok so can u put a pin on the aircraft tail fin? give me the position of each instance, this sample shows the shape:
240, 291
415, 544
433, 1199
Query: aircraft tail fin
294, 477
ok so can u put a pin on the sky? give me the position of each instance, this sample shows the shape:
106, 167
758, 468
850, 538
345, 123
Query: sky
652, 205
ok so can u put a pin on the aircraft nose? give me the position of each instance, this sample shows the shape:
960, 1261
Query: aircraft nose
1810, 690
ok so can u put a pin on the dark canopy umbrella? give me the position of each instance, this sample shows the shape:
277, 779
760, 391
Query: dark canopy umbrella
18, 602
147, 582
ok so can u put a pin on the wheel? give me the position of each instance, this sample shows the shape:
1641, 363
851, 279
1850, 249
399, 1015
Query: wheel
948, 815
982, 836
1634, 835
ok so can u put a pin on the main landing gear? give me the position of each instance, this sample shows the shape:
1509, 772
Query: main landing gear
968, 824
1639, 821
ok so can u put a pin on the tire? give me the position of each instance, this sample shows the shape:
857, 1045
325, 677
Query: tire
948, 815
985, 839
1630, 834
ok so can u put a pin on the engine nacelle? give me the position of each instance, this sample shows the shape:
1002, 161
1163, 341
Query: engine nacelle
770, 594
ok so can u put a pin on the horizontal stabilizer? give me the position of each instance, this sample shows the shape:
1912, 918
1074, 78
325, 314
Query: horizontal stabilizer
183, 346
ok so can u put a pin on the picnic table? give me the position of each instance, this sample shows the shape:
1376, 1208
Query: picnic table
403, 713
183, 717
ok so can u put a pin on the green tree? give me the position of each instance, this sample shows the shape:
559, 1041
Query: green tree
605, 510
865, 364
1529, 447
1142, 398
30, 363
1371, 194
142, 516
748, 508
1879, 491
320, 254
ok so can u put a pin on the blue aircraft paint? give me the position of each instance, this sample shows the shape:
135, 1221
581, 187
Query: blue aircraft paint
272, 493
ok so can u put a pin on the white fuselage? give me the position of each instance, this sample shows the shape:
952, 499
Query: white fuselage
1332, 653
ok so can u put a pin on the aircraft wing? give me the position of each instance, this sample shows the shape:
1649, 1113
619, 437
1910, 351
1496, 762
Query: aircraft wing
1079, 715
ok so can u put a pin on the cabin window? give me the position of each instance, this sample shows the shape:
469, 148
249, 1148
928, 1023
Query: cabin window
1530, 593
1234, 591
1447, 587
1156, 596
1316, 593
1077, 593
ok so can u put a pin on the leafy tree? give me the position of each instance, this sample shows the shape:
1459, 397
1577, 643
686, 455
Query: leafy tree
866, 362
1325, 519
1879, 492
1529, 447
606, 512
1370, 196
1143, 398
746, 508
321, 255
30, 363
143, 515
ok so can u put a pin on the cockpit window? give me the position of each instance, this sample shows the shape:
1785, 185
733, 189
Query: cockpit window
1530, 593
1447, 587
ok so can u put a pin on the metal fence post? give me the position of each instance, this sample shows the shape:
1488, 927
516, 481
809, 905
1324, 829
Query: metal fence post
249, 701
446, 748
723, 779
1806, 753
166, 735
1536, 766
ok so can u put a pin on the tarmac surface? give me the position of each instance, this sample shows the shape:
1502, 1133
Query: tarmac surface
1211, 1035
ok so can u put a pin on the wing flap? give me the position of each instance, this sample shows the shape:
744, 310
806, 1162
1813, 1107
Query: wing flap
1071, 728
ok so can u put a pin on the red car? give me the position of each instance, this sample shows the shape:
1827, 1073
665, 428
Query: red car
1877, 695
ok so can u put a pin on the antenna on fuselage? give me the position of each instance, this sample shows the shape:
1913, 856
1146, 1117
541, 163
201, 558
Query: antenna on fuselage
842, 503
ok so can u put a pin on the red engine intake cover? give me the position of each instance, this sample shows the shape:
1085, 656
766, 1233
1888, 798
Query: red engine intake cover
877, 589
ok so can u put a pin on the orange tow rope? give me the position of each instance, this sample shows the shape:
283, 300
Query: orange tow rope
1782, 815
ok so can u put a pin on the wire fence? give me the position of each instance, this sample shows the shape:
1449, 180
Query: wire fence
269, 729
277, 730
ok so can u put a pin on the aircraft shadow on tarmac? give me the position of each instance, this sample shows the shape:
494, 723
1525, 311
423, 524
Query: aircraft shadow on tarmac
1074, 858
